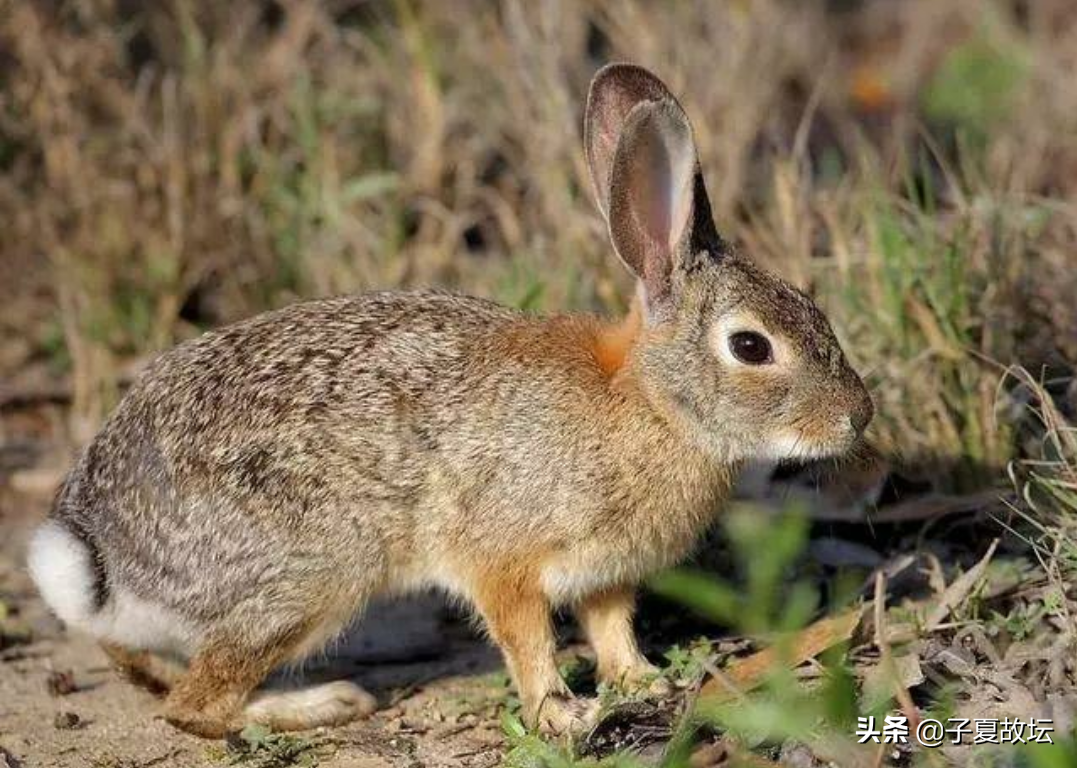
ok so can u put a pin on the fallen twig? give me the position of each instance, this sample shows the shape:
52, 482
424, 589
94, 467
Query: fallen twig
748, 673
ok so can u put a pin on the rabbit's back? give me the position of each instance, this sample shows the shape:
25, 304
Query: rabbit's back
288, 409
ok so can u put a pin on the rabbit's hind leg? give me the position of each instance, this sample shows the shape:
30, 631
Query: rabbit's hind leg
208, 701
144, 669
329, 704
215, 696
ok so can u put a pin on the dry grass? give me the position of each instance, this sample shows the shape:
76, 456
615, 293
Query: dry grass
168, 167
1046, 480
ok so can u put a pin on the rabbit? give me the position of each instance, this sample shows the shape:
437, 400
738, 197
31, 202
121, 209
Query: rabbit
258, 485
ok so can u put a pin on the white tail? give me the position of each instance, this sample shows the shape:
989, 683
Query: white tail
60, 565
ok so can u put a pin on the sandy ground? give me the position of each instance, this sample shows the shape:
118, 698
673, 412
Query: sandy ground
441, 687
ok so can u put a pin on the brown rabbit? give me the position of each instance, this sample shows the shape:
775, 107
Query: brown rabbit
258, 485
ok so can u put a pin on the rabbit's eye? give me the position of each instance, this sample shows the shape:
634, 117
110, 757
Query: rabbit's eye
750, 348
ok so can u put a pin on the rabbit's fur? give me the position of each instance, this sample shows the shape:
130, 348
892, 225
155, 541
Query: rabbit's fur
258, 485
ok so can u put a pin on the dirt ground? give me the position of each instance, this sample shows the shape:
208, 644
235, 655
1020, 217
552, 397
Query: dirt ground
440, 685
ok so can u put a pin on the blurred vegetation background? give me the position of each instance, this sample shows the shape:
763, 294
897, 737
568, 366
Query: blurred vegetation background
168, 167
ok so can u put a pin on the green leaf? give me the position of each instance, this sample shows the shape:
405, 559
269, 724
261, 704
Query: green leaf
512, 726
700, 592
1061, 755
369, 186
255, 734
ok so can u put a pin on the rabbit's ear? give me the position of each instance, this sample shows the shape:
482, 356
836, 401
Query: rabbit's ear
615, 90
656, 196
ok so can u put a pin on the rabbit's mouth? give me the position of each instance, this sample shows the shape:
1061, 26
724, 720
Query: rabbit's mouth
805, 445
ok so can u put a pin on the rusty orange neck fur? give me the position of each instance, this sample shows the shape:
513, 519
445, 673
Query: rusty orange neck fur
614, 341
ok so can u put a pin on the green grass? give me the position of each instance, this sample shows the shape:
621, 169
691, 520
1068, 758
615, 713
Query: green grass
257, 746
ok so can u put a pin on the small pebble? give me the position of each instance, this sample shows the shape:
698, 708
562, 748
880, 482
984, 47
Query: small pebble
61, 683
66, 721
797, 755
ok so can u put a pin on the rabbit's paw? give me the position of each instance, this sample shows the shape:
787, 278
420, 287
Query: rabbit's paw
566, 715
329, 704
644, 678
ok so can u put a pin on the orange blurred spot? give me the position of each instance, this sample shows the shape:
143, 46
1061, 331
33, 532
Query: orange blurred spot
870, 90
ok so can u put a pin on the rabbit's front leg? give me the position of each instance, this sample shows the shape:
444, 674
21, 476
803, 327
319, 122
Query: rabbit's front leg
606, 617
518, 620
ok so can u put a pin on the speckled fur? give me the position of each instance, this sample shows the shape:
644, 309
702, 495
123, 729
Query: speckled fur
258, 485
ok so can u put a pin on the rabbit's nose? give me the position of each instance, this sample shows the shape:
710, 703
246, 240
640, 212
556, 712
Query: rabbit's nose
862, 413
